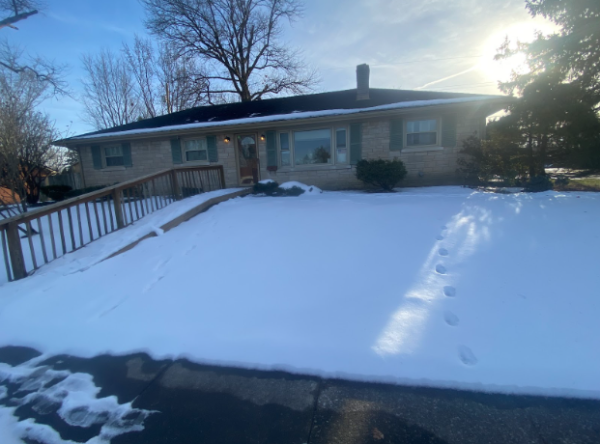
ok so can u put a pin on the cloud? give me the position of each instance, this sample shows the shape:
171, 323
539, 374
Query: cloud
386, 34
77, 21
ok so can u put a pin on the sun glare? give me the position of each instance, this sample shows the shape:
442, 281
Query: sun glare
500, 70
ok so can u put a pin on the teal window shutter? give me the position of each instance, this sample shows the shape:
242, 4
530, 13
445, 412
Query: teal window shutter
271, 149
176, 150
211, 145
396, 134
355, 143
126, 148
449, 131
97, 157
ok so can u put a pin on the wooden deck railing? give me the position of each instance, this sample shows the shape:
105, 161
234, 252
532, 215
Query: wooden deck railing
63, 227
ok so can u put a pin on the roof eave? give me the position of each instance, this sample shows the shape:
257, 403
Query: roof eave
494, 104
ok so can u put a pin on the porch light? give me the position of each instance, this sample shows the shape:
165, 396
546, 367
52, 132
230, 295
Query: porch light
227, 139
262, 137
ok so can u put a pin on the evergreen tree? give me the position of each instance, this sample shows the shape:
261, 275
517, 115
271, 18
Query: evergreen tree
555, 118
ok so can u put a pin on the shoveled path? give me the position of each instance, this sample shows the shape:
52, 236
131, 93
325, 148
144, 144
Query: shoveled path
208, 404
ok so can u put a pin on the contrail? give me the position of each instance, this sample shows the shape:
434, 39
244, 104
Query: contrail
449, 77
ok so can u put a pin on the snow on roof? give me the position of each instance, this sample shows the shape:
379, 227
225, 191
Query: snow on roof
291, 116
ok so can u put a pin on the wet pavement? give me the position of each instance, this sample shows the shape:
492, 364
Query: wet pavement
192, 403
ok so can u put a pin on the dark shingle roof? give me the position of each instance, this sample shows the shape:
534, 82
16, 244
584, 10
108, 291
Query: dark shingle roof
284, 105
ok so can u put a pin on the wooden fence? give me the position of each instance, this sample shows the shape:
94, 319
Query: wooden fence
63, 227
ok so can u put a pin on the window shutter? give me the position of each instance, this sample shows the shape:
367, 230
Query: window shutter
355, 143
97, 157
126, 147
271, 148
211, 145
449, 131
396, 134
176, 150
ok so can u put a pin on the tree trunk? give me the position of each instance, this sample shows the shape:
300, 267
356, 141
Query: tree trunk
543, 153
531, 156
245, 94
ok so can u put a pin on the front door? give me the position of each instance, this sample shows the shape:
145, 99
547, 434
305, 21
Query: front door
247, 154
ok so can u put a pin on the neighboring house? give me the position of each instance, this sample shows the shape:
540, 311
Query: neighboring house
316, 139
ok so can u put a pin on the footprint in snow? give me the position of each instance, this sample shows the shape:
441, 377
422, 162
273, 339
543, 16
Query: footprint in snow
192, 248
148, 287
466, 355
161, 264
440, 269
444, 227
451, 318
439, 237
443, 252
449, 291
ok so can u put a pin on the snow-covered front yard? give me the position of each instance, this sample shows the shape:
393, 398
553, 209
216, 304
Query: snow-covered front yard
434, 286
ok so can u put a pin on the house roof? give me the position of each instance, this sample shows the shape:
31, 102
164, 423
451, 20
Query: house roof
286, 108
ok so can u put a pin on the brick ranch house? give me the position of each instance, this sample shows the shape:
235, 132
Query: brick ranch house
316, 139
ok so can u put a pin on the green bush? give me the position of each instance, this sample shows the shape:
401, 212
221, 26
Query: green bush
56, 192
383, 174
484, 161
273, 189
538, 183
562, 181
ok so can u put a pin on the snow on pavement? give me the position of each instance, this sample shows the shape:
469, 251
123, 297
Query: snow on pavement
72, 396
434, 286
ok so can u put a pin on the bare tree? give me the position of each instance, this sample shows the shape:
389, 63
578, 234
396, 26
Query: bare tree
27, 155
183, 81
17, 10
109, 91
140, 60
11, 12
165, 83
238, 40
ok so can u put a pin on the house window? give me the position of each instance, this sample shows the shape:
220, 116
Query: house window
284, 146
421, 132
114, 156
312, 147
195, 150
325, 146
341, 145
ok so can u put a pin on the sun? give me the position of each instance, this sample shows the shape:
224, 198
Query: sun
500, 70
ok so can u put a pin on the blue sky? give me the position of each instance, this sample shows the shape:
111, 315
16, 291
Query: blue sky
428, 44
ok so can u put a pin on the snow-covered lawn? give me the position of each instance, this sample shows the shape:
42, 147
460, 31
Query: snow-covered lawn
434, 286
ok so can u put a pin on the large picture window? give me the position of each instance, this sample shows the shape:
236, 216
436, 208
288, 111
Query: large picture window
195, 150
421, 132
325, 146
312, 147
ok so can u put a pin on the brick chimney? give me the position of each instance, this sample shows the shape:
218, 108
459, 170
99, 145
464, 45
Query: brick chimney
362, 82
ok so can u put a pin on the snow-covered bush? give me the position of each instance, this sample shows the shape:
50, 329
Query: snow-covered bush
271, 188
384, 174
268, 187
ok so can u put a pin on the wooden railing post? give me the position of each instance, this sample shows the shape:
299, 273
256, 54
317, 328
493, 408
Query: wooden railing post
175, 183
15, 251
116, 195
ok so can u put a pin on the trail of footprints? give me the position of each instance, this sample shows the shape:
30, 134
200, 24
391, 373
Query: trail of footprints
465, 354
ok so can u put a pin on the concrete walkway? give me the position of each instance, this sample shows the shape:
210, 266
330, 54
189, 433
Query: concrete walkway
207, 404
